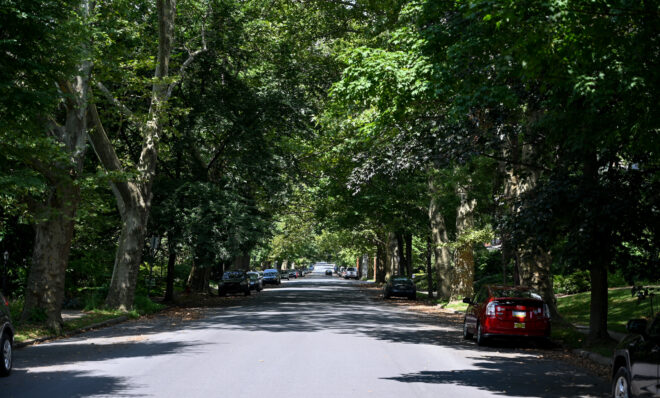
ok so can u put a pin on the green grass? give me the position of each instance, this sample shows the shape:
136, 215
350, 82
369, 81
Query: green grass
622, 307
33, 330
28, 331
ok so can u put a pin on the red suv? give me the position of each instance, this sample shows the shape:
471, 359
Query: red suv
506, 311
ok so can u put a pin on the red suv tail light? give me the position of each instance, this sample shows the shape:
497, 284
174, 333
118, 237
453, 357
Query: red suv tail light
5, 300
490, 309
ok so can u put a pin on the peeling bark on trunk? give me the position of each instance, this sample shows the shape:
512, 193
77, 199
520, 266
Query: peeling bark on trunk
429, 267
54, 232
134, 197
442, 257
401, 258
392, 263
45, 287
463, 285
408, 256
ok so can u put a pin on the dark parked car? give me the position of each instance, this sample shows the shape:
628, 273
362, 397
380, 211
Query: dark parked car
256, 282
499, 311
271, 276
400, 286
293, 273
6, 337
284, 275
234, 282
328, 272
636, 362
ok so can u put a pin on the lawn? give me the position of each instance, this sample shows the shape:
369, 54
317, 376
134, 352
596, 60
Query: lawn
622, 307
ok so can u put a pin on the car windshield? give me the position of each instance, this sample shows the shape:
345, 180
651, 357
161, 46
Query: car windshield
232, 275
254, 276
351, 269
401, 280
270, 271
516, 293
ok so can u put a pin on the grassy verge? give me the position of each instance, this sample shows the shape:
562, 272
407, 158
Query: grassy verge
622, 307
34, 330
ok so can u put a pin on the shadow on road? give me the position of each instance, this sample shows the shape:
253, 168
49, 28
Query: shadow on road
520, 377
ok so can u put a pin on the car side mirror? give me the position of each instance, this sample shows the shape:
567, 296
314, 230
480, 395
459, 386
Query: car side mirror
637, 326
467, 300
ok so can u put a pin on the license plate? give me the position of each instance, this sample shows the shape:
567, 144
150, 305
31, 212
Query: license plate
519, 314
518, 325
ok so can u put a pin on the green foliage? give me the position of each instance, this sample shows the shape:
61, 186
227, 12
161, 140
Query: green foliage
575, 282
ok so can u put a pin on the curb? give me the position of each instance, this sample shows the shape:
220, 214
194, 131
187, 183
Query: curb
592, 356
108, 322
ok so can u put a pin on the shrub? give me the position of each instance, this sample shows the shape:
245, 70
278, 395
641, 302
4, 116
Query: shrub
577, 282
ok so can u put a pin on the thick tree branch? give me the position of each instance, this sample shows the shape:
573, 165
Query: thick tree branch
122, 108
106, 153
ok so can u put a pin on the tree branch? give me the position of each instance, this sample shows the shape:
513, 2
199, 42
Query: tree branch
106, 154
122, 108
191, 57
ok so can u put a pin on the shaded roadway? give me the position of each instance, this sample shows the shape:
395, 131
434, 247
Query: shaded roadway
316, 336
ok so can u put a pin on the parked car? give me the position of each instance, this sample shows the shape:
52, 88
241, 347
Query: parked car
351, 273
284, 275
400, 286
636, 361
500, 311
328, 272
293, 273
234, 282
256, 282
271, 276
6, 337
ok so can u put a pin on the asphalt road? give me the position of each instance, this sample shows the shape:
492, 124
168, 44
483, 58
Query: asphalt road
312, 337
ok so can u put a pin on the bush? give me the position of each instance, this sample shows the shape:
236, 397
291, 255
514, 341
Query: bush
577, 282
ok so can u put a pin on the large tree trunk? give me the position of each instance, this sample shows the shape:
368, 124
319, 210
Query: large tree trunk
171, 261
407, 237
400, 251
429, 267
380, 265
128, 257
392, 263
439, 238
598, 305
463, 285
198, 280
54, 232
45, 287
134, 197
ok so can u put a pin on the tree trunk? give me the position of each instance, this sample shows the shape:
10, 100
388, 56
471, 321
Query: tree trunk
439, 239
536, 273
463, 285
408, 241
198, 280
598, 306
400, 251
381, 261
54, 231
429, 268
53, 236
371, 269
134, 197
128, 257
171, 261
392, 267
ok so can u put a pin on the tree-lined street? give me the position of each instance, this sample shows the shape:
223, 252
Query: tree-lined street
317, 336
